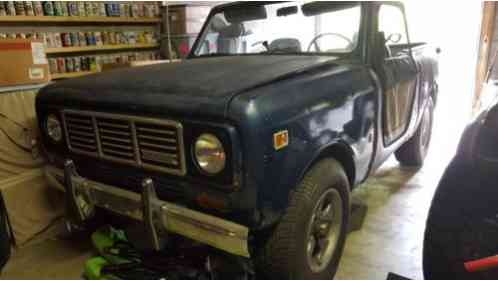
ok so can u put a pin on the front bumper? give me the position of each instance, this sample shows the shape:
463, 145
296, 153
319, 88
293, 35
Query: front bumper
159, 217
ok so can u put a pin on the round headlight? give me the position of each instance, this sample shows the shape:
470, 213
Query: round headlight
209, 154
54, 128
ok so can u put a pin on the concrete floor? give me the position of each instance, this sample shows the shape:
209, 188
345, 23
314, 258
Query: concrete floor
389, 241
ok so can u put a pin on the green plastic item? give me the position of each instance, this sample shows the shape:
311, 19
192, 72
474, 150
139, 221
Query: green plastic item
102, 239
93, 269
106, 237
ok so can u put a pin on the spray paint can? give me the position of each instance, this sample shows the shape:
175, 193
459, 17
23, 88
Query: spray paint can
61, 65
66, 39
77, 64
52, 64
75, 40
81, 9
48, 8
69, 65
19, 8
3, 12
28, 8
38, 8
58, 40
10, 8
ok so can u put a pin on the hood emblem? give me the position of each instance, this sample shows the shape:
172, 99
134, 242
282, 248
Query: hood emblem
280, 139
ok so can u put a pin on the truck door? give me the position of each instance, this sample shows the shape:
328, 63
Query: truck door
397, 71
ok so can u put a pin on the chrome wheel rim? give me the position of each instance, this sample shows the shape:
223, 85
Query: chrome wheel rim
324, 229
426, 130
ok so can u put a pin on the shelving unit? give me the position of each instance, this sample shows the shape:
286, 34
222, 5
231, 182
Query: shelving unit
66, 50
71, 74
72, 19
99, 54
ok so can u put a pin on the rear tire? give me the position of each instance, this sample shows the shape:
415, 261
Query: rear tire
413, 152
288, 251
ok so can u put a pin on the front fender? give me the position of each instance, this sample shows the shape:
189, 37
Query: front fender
328, 110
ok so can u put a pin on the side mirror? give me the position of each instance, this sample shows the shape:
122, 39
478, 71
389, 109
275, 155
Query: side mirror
380, 50
394, 38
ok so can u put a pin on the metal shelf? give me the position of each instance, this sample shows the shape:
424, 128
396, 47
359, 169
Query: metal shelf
60, 19
56, 76
65, 50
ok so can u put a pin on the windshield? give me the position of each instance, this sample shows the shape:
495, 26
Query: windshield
282, 28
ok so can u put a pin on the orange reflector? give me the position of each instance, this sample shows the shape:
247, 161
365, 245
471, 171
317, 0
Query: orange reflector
280, 139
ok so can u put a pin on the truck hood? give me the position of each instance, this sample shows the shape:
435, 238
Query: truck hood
195, 87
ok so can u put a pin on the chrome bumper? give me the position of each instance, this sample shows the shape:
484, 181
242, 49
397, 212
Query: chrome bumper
82, 195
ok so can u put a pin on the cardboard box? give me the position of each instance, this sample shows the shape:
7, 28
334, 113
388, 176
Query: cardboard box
22, 62
187, 19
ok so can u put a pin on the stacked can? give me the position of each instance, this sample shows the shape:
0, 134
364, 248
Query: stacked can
77, 64
82, 38
3, 12
69, 64
75, 40
81, 9
61, 65
88, 8
52, 65
19, 8
10, 8
65, 9
66, 39
38, 8
48, 8
28, 8
122, 10
90, 39
73, 9
98, 38
134, 10
102, 9
95, 9
58, 40
57, 8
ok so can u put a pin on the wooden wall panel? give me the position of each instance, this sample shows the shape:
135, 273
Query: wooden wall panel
487, 47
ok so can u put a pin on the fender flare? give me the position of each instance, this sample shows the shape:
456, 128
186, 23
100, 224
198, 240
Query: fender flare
340, 151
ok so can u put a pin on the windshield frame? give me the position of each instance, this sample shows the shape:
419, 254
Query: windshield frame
356, 52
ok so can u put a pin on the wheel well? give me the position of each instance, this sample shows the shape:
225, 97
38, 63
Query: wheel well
344, 155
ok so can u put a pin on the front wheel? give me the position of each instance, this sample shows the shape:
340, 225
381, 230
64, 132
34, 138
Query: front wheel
413, 152
308, 241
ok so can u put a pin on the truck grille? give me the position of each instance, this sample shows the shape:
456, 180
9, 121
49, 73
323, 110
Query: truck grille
152, 144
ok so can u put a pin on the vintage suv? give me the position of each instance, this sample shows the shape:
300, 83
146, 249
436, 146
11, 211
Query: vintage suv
253, 144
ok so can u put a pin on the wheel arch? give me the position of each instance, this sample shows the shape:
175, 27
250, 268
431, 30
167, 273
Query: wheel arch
340, 152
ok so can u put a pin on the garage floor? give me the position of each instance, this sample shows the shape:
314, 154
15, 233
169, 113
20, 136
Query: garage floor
389, 241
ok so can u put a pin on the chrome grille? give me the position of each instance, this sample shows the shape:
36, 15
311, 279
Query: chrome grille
116, 139
81, 134
152, 144
158, 144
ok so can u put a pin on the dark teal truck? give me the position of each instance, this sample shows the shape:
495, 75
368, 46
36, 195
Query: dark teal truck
253, 144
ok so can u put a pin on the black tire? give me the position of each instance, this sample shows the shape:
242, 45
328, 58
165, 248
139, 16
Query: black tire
5, 237
283, 252
462, 224
413, 152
